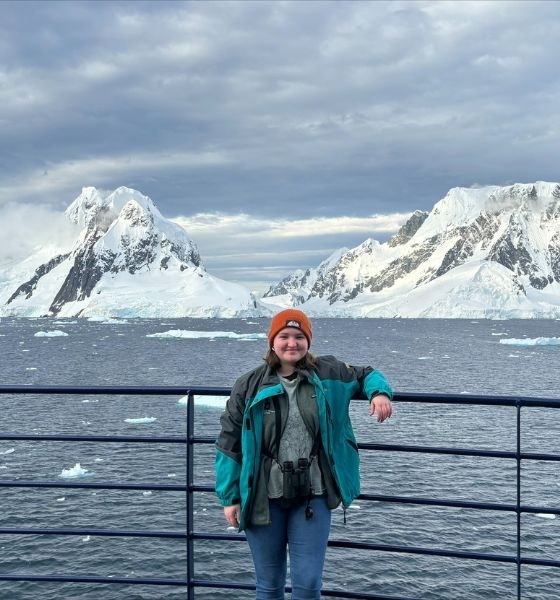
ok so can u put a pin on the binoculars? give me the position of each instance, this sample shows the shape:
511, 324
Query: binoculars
296, 480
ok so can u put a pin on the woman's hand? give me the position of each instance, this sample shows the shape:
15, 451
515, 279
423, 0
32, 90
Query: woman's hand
381, 405
233, 514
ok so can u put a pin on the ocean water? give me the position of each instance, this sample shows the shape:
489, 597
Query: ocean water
459, 356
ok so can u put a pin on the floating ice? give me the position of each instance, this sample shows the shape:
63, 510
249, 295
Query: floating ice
545, 515
191, 335
212, 401
141, 420
540, 341
146, 493
74, 472
86, 539
8, 451
53, 333
30, 368
109, 320
61, 499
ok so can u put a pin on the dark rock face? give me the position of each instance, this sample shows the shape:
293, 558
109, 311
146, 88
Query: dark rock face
405, 233
402, 266
88, 268
554, 251
481, 231
28, 287
510, 250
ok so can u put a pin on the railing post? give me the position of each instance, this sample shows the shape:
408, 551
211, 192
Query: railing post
190, 503
518, 498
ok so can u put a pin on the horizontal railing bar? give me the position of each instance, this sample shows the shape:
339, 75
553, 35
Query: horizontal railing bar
539, 510
458, 451
468, 399
95, 532
94, 438
538, 456
206, 583
462, 554
166, 487
114, 390
459, 504
428, 398
431, 502
438, 450
439, 502
210, 440
540, 562
380, 547
95, 579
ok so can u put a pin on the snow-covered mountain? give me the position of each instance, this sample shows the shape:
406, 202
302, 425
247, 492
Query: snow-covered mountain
489, 252
127, 261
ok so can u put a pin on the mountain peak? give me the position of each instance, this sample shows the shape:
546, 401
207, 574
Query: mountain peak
128, 261
441, 264
94, 210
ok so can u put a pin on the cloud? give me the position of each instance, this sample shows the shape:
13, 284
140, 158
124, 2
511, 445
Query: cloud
299, 108
26, 228
258, 252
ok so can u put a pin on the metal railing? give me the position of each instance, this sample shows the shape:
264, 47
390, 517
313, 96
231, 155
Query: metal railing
189, 535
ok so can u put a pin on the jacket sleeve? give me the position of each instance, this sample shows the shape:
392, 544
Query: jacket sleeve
370, 381
228, 447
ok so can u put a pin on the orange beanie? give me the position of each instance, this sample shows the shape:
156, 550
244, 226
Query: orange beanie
291, 317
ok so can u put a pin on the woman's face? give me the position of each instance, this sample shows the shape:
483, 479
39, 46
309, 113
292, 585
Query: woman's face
290, 345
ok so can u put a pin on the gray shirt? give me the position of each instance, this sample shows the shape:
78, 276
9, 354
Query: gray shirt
296, 442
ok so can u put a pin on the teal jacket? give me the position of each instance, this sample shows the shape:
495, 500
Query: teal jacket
239, 444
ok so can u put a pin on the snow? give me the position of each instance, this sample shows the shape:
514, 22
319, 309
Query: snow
190, 335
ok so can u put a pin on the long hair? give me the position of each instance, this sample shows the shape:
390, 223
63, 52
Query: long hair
308, 362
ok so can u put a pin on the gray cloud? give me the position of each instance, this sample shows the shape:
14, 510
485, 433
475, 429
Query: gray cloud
299, 109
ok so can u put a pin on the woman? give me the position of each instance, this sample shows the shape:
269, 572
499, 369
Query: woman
287, 455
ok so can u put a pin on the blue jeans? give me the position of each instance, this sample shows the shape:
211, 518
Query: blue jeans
307, 543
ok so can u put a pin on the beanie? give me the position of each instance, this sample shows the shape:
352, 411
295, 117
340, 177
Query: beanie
291, 317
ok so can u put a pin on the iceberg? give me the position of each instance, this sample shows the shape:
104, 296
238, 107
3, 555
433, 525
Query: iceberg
211, 401
54, 333
141, 420
540, 341
74, 472
191, 335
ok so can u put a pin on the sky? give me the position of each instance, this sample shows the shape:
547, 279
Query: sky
275, 132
